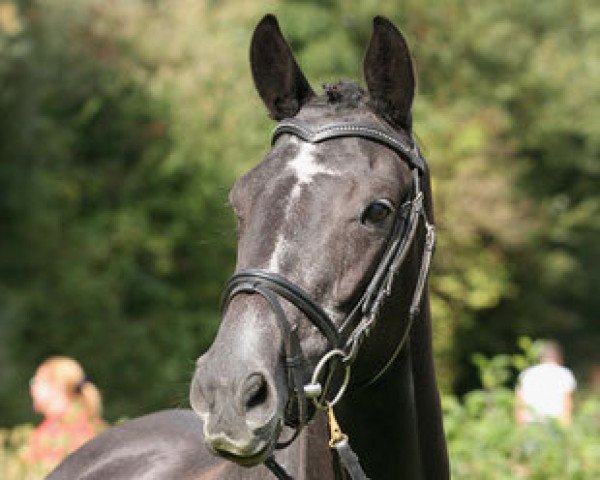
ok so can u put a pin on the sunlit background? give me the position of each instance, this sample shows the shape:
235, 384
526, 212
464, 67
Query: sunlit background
123, 124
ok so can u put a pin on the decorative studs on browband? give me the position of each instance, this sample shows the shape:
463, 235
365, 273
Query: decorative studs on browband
408, 151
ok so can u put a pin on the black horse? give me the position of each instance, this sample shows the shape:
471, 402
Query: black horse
313, 319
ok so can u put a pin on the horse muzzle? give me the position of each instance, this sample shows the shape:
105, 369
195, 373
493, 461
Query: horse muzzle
242, 413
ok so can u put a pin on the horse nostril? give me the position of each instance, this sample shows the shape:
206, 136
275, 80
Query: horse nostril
255, 391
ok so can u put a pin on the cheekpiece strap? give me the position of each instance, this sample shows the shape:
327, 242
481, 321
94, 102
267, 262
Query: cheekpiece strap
409, 151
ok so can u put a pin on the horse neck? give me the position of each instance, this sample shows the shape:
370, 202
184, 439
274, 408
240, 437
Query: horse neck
382, 425
432, 441
395, 425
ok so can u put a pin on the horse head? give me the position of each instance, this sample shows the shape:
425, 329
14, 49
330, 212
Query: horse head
322, 221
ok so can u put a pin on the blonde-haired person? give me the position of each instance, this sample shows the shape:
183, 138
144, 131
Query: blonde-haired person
72, 410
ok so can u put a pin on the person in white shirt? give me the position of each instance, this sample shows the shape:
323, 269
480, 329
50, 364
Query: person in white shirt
545, 390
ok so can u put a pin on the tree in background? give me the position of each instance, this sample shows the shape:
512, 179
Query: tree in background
112, 248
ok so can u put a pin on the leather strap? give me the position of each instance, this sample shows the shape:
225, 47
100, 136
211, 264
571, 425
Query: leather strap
389, 138
291, 293
277, 469
349, 461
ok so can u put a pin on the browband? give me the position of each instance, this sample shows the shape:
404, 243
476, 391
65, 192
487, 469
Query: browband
300, 129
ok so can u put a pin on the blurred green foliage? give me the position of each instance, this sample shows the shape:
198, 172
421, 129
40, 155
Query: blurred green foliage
13, 442
485, 443
123, 124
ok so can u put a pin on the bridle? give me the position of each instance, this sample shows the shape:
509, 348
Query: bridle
344, 344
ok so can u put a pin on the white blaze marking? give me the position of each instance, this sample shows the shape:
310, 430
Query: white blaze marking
305, 168
304, 165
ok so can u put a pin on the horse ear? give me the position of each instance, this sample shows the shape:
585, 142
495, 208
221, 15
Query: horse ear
277, 77
389, 74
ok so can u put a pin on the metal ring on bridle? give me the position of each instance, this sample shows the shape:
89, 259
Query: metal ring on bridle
322, 403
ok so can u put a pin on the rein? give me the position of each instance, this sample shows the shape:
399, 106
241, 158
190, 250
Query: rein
344, 345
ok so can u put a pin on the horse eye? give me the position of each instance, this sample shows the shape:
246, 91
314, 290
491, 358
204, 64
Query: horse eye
376, 212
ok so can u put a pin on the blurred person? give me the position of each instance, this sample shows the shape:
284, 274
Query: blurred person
545, 390
72, 409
